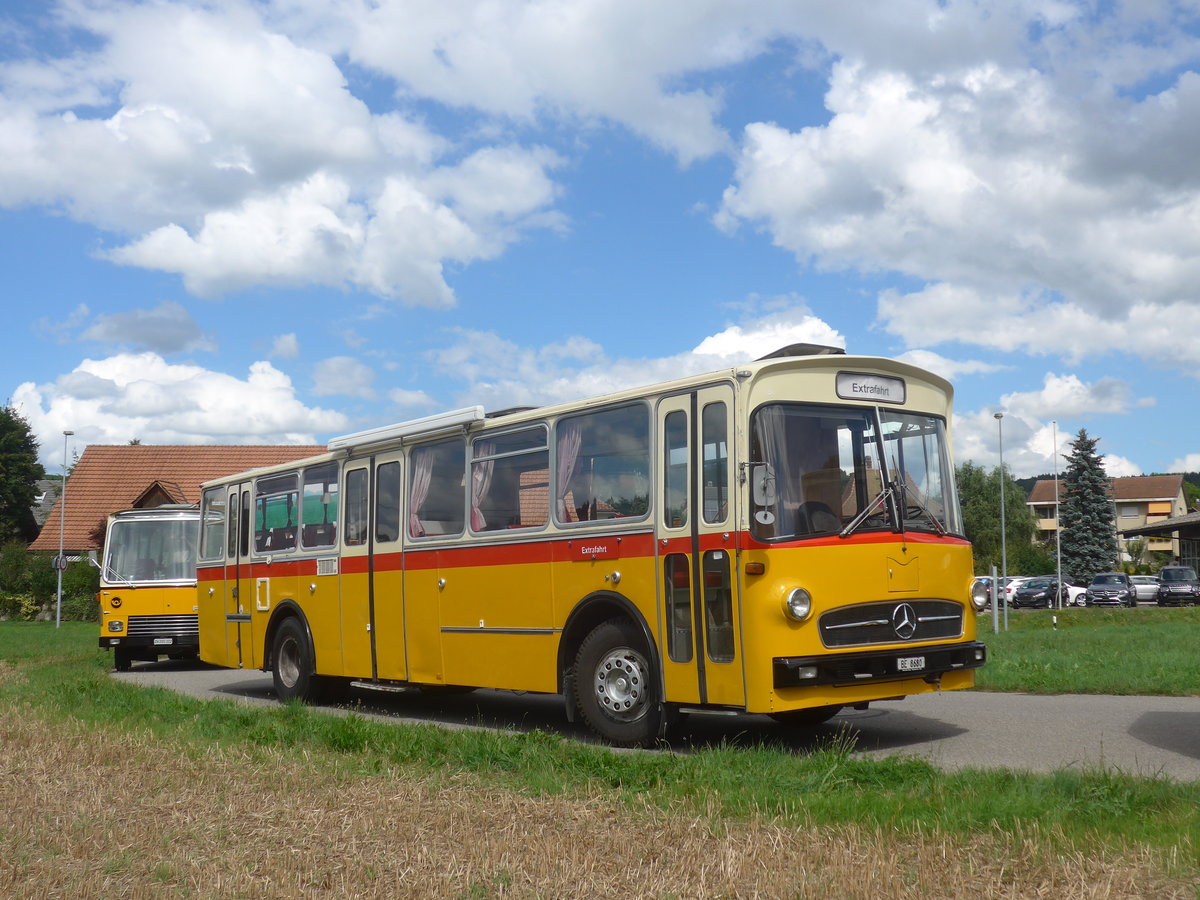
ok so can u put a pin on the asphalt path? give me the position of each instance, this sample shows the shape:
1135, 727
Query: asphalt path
1151, 736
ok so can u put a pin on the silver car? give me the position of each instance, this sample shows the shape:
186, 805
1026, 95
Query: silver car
1145, 587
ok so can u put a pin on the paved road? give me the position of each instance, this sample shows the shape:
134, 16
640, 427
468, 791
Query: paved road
954, 730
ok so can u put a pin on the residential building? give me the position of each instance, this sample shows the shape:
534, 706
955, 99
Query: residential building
110, 478
1138, 501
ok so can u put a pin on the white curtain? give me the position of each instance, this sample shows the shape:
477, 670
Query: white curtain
481, 482
422, 470
570, 437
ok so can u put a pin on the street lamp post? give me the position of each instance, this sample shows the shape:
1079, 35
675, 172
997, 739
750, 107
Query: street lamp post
1057, 517
999, 417
62, 533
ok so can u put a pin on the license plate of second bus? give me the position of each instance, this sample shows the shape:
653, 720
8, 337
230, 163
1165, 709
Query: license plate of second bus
910, 663
158, 642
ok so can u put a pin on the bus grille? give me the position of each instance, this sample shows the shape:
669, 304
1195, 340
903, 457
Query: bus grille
889, 623
163, 626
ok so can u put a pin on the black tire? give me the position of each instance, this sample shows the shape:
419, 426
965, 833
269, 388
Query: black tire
616, 689
293, 663
122, 659
806, 718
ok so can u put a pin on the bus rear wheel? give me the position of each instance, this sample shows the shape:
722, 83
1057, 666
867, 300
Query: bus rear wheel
616, 689
293, 663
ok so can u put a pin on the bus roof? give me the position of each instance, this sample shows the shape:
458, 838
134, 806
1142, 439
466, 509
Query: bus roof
792, 356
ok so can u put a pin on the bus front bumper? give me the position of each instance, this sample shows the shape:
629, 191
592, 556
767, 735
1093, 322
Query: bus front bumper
878, 665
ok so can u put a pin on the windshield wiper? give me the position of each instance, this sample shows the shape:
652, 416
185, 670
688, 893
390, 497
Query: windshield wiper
916, 501
867, 511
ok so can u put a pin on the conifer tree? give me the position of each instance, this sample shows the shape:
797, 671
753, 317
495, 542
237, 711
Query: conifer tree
19, 473
1088, 537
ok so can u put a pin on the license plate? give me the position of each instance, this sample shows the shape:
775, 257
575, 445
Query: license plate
158, 642
910, 663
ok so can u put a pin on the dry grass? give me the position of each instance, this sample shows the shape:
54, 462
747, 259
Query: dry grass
112, 815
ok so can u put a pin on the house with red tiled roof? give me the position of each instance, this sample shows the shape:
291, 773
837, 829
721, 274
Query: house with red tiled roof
1138, 501
110, 478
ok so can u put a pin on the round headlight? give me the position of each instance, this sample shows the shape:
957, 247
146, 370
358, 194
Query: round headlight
979, 595
797, 604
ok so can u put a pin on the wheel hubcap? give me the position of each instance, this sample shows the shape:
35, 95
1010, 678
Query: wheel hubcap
288, 664
620, 684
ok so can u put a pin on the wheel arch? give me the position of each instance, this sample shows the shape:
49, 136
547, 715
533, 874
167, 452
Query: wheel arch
589, 612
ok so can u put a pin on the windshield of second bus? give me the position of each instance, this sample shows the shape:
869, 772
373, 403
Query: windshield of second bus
825, 470
147, 550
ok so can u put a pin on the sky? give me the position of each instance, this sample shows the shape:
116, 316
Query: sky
277, 221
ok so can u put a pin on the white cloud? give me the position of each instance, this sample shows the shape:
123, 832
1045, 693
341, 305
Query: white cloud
967, 156
1188, 463
228, 153
168, 328
1119, 466
128, 396
499, 373
286, 346
950, 369
1067, 397
343, 375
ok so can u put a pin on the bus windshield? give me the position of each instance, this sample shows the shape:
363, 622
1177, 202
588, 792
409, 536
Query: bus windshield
151, 550
826, 470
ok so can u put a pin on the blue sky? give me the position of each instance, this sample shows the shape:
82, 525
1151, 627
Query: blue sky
267, 221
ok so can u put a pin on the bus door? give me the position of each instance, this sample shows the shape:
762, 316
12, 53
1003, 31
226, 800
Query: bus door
239, 578
372, 618
698, 603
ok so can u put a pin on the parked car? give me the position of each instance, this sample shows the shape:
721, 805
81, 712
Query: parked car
1044, 592
1011, 584
1111, 589
1145, 586
1177, 586
1035, 593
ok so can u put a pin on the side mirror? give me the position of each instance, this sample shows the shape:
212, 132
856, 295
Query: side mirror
762, 485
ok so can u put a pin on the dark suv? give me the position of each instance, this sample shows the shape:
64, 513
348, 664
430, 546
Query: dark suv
1111, 589
1177, 585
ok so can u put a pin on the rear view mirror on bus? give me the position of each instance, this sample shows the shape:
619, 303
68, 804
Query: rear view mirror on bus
762, 484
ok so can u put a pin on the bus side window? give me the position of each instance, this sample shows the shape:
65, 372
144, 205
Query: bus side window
509, 480
275, 513
356, 507
715, 459
603, 464
436, 497
675, 464
320, 505
387, 502
212, 517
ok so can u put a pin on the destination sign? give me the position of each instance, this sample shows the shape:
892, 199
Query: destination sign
877, 388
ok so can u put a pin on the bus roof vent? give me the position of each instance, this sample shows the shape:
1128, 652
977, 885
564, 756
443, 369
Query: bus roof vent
455, 418
509, 411
804, 350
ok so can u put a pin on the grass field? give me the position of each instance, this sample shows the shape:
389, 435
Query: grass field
113, 790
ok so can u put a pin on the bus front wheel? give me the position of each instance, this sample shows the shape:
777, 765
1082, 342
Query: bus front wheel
122, 659
292, 669
615, 687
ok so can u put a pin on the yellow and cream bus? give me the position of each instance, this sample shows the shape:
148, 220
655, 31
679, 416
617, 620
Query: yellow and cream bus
782, 537
148, 584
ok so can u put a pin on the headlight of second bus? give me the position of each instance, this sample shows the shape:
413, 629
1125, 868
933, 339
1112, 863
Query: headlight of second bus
116, 625
797, 604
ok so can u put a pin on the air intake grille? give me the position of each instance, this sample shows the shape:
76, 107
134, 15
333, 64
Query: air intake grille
163, 626
894, 622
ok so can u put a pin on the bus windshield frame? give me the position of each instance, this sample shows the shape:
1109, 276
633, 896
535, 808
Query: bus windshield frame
823, 470
151, 550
